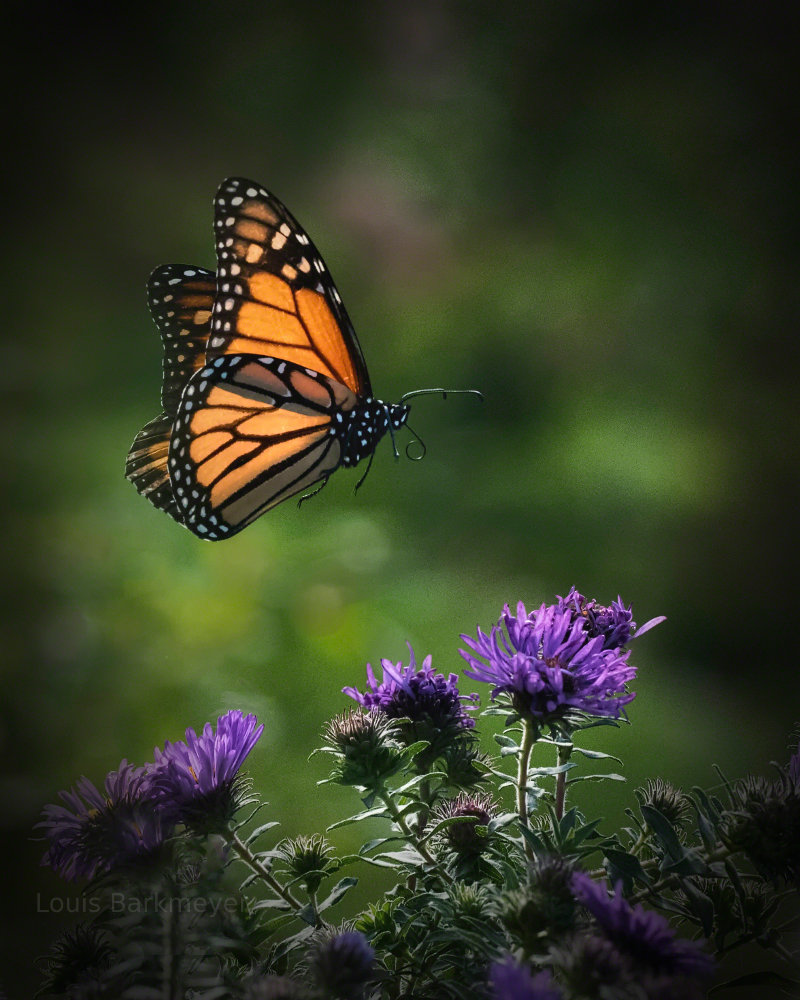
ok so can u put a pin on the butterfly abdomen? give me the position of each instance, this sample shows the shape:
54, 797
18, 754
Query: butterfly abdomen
360, 429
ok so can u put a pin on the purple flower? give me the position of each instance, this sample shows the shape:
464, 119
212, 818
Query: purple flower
643, 935
98, 831
511, 981
614, 623
198, 782
429, 699
552, 670
342, 963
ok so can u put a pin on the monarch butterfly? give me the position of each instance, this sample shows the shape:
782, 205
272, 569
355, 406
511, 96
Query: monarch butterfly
265, 391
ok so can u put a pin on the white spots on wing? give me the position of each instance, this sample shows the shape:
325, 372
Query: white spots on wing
251, 192
235, 269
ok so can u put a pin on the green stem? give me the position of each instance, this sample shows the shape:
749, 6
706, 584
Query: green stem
263, 872
522, 779
564, 753
417, 841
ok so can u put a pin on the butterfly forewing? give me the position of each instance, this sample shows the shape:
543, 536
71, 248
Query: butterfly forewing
275, 296
181, 299
250, 432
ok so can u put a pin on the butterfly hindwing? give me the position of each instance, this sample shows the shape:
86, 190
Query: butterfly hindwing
181, 299
275, 295
146, 466
250, 432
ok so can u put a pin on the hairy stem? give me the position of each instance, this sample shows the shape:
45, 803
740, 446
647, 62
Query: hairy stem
263, 872
564, 752
522, 779
414, 837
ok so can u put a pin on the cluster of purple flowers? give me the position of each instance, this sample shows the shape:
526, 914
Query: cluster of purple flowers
416, 693
560, 663
641, 932
197, 783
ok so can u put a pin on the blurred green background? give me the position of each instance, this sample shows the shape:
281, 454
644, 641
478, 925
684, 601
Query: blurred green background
586, 210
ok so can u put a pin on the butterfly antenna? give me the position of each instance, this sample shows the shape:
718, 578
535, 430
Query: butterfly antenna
418, 440
444, 392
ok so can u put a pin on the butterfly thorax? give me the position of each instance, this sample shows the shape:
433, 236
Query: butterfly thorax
360, 429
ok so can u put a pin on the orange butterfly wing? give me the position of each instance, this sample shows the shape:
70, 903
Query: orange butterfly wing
181, 299
262, 369
250, 432
275, 296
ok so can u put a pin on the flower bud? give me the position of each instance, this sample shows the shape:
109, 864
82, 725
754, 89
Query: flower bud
366, 747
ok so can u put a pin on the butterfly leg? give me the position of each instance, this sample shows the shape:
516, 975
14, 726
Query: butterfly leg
313, 493
394, 444
360, 483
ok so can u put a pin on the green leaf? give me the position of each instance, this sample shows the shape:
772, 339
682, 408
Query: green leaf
625, 866
596, 777
707, 833
269, 904
699, 904
252, 837
547, 772
339, 890
505, 741
532, 838
596, 754
271, 926
375, 842
567, 822
764, 978
418, 779
379, 811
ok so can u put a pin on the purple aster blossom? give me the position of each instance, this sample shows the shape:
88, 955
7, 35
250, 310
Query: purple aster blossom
199, 782
342, 963
100, 830
551, 669
615, 622
430, 700
511, 981
643, 935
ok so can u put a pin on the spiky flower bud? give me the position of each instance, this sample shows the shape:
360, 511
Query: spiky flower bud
365, 746
763, 821
309, 859
473, 811
670, 801
542, 909
78, 962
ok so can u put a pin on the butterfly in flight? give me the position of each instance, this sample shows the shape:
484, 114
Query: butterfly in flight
265, 391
